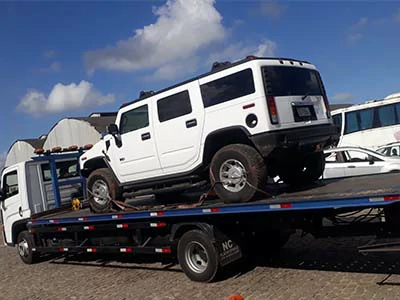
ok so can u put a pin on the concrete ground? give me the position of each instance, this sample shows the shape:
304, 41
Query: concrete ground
305, 269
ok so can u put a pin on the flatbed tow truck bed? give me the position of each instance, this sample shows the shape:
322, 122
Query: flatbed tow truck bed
206, 236
357, 192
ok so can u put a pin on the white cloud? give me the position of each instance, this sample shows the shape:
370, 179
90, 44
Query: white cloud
63, 98
342, 97
360, 24
182, 28
55, 66
396, 16
50, 53
240, 51
272, 8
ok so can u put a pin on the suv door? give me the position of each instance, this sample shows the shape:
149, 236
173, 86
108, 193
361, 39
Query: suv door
136, 158
11, 205
178, 122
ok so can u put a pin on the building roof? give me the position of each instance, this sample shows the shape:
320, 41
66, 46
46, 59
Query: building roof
99, 123
35, 143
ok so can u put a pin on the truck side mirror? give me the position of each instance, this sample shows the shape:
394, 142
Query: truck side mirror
112, 129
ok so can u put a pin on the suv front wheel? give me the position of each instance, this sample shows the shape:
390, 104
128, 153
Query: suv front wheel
236, 172
102, 189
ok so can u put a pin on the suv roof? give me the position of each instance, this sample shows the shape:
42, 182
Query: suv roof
218, 68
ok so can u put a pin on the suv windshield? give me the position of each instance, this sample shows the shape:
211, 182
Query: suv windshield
291, 81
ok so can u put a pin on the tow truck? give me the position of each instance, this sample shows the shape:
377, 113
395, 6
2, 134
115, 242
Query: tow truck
44, 211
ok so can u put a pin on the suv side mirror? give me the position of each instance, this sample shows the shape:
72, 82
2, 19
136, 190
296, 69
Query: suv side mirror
112, 129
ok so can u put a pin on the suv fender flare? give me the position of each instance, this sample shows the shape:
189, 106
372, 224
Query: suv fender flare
97, 163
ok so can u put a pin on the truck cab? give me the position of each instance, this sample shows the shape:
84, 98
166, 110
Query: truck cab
43, 184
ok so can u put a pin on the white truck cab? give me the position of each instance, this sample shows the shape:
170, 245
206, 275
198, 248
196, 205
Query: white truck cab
232, 127
36, 186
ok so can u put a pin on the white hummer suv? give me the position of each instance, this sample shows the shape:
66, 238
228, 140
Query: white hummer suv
231, 127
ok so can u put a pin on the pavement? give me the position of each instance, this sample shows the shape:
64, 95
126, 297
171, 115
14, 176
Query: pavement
305, 268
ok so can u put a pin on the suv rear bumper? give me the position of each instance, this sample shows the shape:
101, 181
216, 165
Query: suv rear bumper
303, 137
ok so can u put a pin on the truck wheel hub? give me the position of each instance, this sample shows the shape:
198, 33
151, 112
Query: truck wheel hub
100, 192
23, 248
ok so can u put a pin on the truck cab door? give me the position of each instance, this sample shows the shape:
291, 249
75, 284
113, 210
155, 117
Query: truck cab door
11, 204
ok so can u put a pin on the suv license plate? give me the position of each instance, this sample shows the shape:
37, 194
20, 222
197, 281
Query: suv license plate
303, 111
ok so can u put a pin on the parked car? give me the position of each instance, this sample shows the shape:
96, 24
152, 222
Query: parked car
353, 161
392, 149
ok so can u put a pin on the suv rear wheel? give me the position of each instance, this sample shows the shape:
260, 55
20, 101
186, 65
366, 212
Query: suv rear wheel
238, 171
103, 188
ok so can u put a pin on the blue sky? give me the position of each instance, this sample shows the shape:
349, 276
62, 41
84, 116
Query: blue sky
73, 58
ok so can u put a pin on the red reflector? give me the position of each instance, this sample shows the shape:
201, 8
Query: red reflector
273, 112
62, 249
215, 209
161, 224
91, 227
92, 250
125, 225
166, 250
248, 106
129, 250
391, 198
286, 205
61, 229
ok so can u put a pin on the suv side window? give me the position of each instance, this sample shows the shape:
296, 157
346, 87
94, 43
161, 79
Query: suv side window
11, 184
227, 88
134, 119
174, 106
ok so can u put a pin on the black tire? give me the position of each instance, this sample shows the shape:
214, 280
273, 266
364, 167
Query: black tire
196, 243
102, 182
25, 246
254, 169
305, 171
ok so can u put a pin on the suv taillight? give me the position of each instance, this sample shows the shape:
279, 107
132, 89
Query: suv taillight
327, 107
273, 112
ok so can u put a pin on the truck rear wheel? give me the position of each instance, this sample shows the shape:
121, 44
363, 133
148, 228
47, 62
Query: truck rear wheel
237, 170
305, 171
25, 246
197, 256
102, 189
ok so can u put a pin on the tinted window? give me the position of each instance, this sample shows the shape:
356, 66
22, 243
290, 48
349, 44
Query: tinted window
398, 112
366, 118
11, 184
289, 81
351, 122
64, 169
227, 88
174, 106
337, 120
134, 119
387, 115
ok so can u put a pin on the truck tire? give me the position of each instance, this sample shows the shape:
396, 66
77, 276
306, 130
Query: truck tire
25, 246
306, 171
198, 256
236, 172
102, 189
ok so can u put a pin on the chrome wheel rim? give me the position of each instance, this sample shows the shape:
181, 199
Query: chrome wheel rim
100, 191
23, 248
196, 257
233, 175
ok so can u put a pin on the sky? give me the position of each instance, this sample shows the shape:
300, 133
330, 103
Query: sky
68, 59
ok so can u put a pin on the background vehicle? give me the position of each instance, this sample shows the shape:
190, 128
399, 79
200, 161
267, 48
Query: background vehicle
354, 161
370, 124
392, 149
231, 127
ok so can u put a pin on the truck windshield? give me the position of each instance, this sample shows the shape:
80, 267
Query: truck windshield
291, 81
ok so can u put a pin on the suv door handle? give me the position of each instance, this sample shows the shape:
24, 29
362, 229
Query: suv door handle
191, 123
146, 136
20, 211
351, 167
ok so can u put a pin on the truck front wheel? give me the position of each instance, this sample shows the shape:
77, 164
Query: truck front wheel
102, 189
198, 257
237, 171
26, 248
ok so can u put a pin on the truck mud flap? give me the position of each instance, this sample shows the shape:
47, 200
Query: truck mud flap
228, 250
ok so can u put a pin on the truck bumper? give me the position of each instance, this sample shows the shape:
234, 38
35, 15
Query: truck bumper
302, 138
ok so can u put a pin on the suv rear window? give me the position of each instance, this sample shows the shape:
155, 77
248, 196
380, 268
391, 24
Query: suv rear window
291, 81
